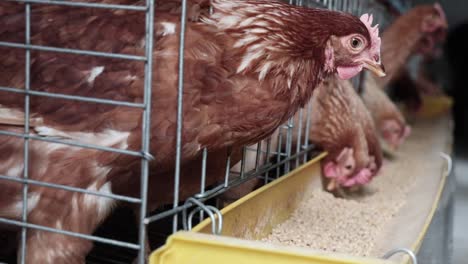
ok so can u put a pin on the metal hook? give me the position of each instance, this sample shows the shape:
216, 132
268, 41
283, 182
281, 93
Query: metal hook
216, 227
448, 158
147, 156
412, 256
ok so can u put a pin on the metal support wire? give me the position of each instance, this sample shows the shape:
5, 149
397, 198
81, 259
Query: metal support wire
406, 251
74, 143
267, 157
278, 150
72, 97
70, 189
307, 129
243, 160
69, 233
27, 85
447, 158
146, 128
299, 135
259, 155
83, 4
180, 93
228, 168
216, 226
289, 136
72, 51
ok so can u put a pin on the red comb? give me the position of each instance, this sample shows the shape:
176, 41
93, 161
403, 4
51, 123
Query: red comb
373, 31
441, 12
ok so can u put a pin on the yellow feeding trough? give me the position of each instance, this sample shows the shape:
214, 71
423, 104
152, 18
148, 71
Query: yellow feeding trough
255, 216
434, 106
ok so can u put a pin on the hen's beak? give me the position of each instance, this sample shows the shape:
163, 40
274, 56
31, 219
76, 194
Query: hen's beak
377, 68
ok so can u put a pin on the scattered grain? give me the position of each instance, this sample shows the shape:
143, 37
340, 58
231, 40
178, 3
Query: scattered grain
351, 226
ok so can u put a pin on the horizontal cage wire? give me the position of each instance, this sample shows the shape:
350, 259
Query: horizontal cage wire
287, 149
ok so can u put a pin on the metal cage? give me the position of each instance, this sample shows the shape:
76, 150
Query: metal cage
270, 162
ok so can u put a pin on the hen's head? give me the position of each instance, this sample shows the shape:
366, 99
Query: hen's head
350, 53
340, 165
434, 27
344, 171
394, 132
297, 44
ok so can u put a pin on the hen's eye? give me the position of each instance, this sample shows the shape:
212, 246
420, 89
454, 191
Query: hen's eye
348, 167
356, 43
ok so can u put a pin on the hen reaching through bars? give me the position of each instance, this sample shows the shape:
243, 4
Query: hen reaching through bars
248, 67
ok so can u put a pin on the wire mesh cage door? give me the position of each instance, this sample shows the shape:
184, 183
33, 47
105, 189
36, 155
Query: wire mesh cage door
28, 92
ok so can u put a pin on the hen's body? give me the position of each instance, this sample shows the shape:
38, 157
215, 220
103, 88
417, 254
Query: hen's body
384, 113
400, 41
403, 37
339, 119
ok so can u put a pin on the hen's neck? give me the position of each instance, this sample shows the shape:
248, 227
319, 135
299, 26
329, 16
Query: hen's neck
271, 47
398, 44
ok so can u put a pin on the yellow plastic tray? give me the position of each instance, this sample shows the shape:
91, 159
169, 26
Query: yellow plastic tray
434, 106
255, 215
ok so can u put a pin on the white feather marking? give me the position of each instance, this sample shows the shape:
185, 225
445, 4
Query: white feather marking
244, 41
254, 52
108, 137
102, 205
131, 77
58, 225
75, 205
247, 22
169, 28
264, 70
15, 171
257, 31
94, 73
101, 171
262, 24
16, 209
229, 21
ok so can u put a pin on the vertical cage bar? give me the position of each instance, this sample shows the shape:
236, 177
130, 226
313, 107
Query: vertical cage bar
258, 156
27, 87
180, 93
243, 160
203, 176
228, 168
289, 132
307, 129
146, 128
278, 150
299, 136
267, 159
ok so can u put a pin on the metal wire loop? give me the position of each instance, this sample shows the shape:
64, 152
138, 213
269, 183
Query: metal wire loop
410, 253
216, 226
448, 158
209, 193
147, 155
